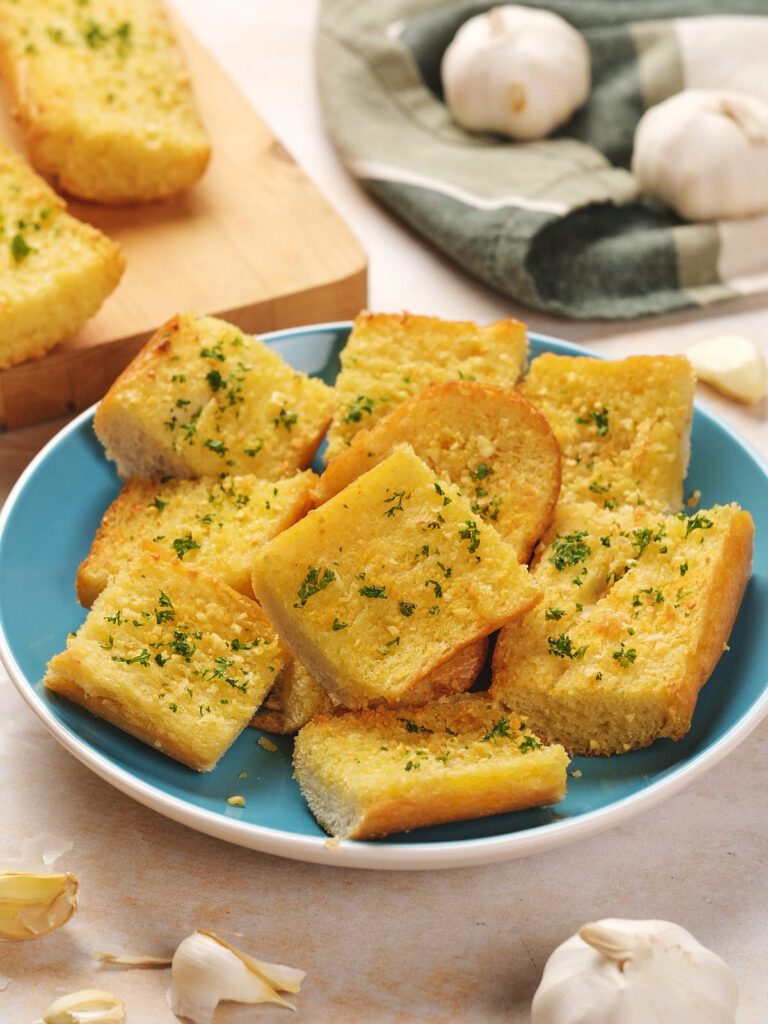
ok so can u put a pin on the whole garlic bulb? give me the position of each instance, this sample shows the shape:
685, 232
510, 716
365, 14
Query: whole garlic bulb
705, 153
517, 71
634, 972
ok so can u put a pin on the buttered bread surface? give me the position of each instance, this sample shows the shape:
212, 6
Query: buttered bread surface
389, 357
637, 611
386, 581
173, 657
370, 773
55, 271
623, 425
102, 97
213, 524
485, 438
202, 398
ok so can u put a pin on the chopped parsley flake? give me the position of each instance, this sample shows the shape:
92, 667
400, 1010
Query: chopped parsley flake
165, 611
625, 657
554, 613
407, 608
472, 534
411, 726
338, 625
356, 409
216, 446
699, 522
19, 248
137, 659
395, 502
285, 419
569, 549
373, 591
499, 729
562, 647
317, 579
215, 352
182, 545
529, 743
482, 471
598, 417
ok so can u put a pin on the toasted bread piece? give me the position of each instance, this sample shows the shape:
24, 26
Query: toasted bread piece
215, 525
386, 581
488, 440
623, 426
296, 697
637, 610
202, 398
55, 271
389, 357
102, 97
370, 773
172, 657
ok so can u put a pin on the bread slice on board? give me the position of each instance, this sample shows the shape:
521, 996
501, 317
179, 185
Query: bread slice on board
55, 271
102, 97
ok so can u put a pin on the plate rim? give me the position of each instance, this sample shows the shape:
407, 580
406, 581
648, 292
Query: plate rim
350, 853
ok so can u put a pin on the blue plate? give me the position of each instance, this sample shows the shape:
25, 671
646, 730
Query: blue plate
46, 529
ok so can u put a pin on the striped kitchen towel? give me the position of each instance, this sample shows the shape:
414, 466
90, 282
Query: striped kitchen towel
557, 224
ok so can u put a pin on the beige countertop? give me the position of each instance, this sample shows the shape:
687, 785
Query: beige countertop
461, 945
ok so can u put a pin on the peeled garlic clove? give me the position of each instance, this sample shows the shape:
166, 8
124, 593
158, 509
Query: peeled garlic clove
89, 1006
35, 904
732, 364
206, 970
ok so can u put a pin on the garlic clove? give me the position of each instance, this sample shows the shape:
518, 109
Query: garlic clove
732, 364
34, 904
89, 1006
207, 970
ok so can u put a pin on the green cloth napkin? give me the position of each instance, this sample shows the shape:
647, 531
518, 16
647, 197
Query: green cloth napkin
557, 224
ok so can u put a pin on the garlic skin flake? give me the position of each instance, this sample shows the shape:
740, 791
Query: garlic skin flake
34, 904
634, 972
704, 152
515, 70
732, 364
206, 970
89, 1006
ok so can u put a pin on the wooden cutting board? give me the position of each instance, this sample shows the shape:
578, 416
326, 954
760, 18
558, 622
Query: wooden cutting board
253, 241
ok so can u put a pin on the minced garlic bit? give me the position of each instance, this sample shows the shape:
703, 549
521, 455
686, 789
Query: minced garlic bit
236, 801
266, 744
